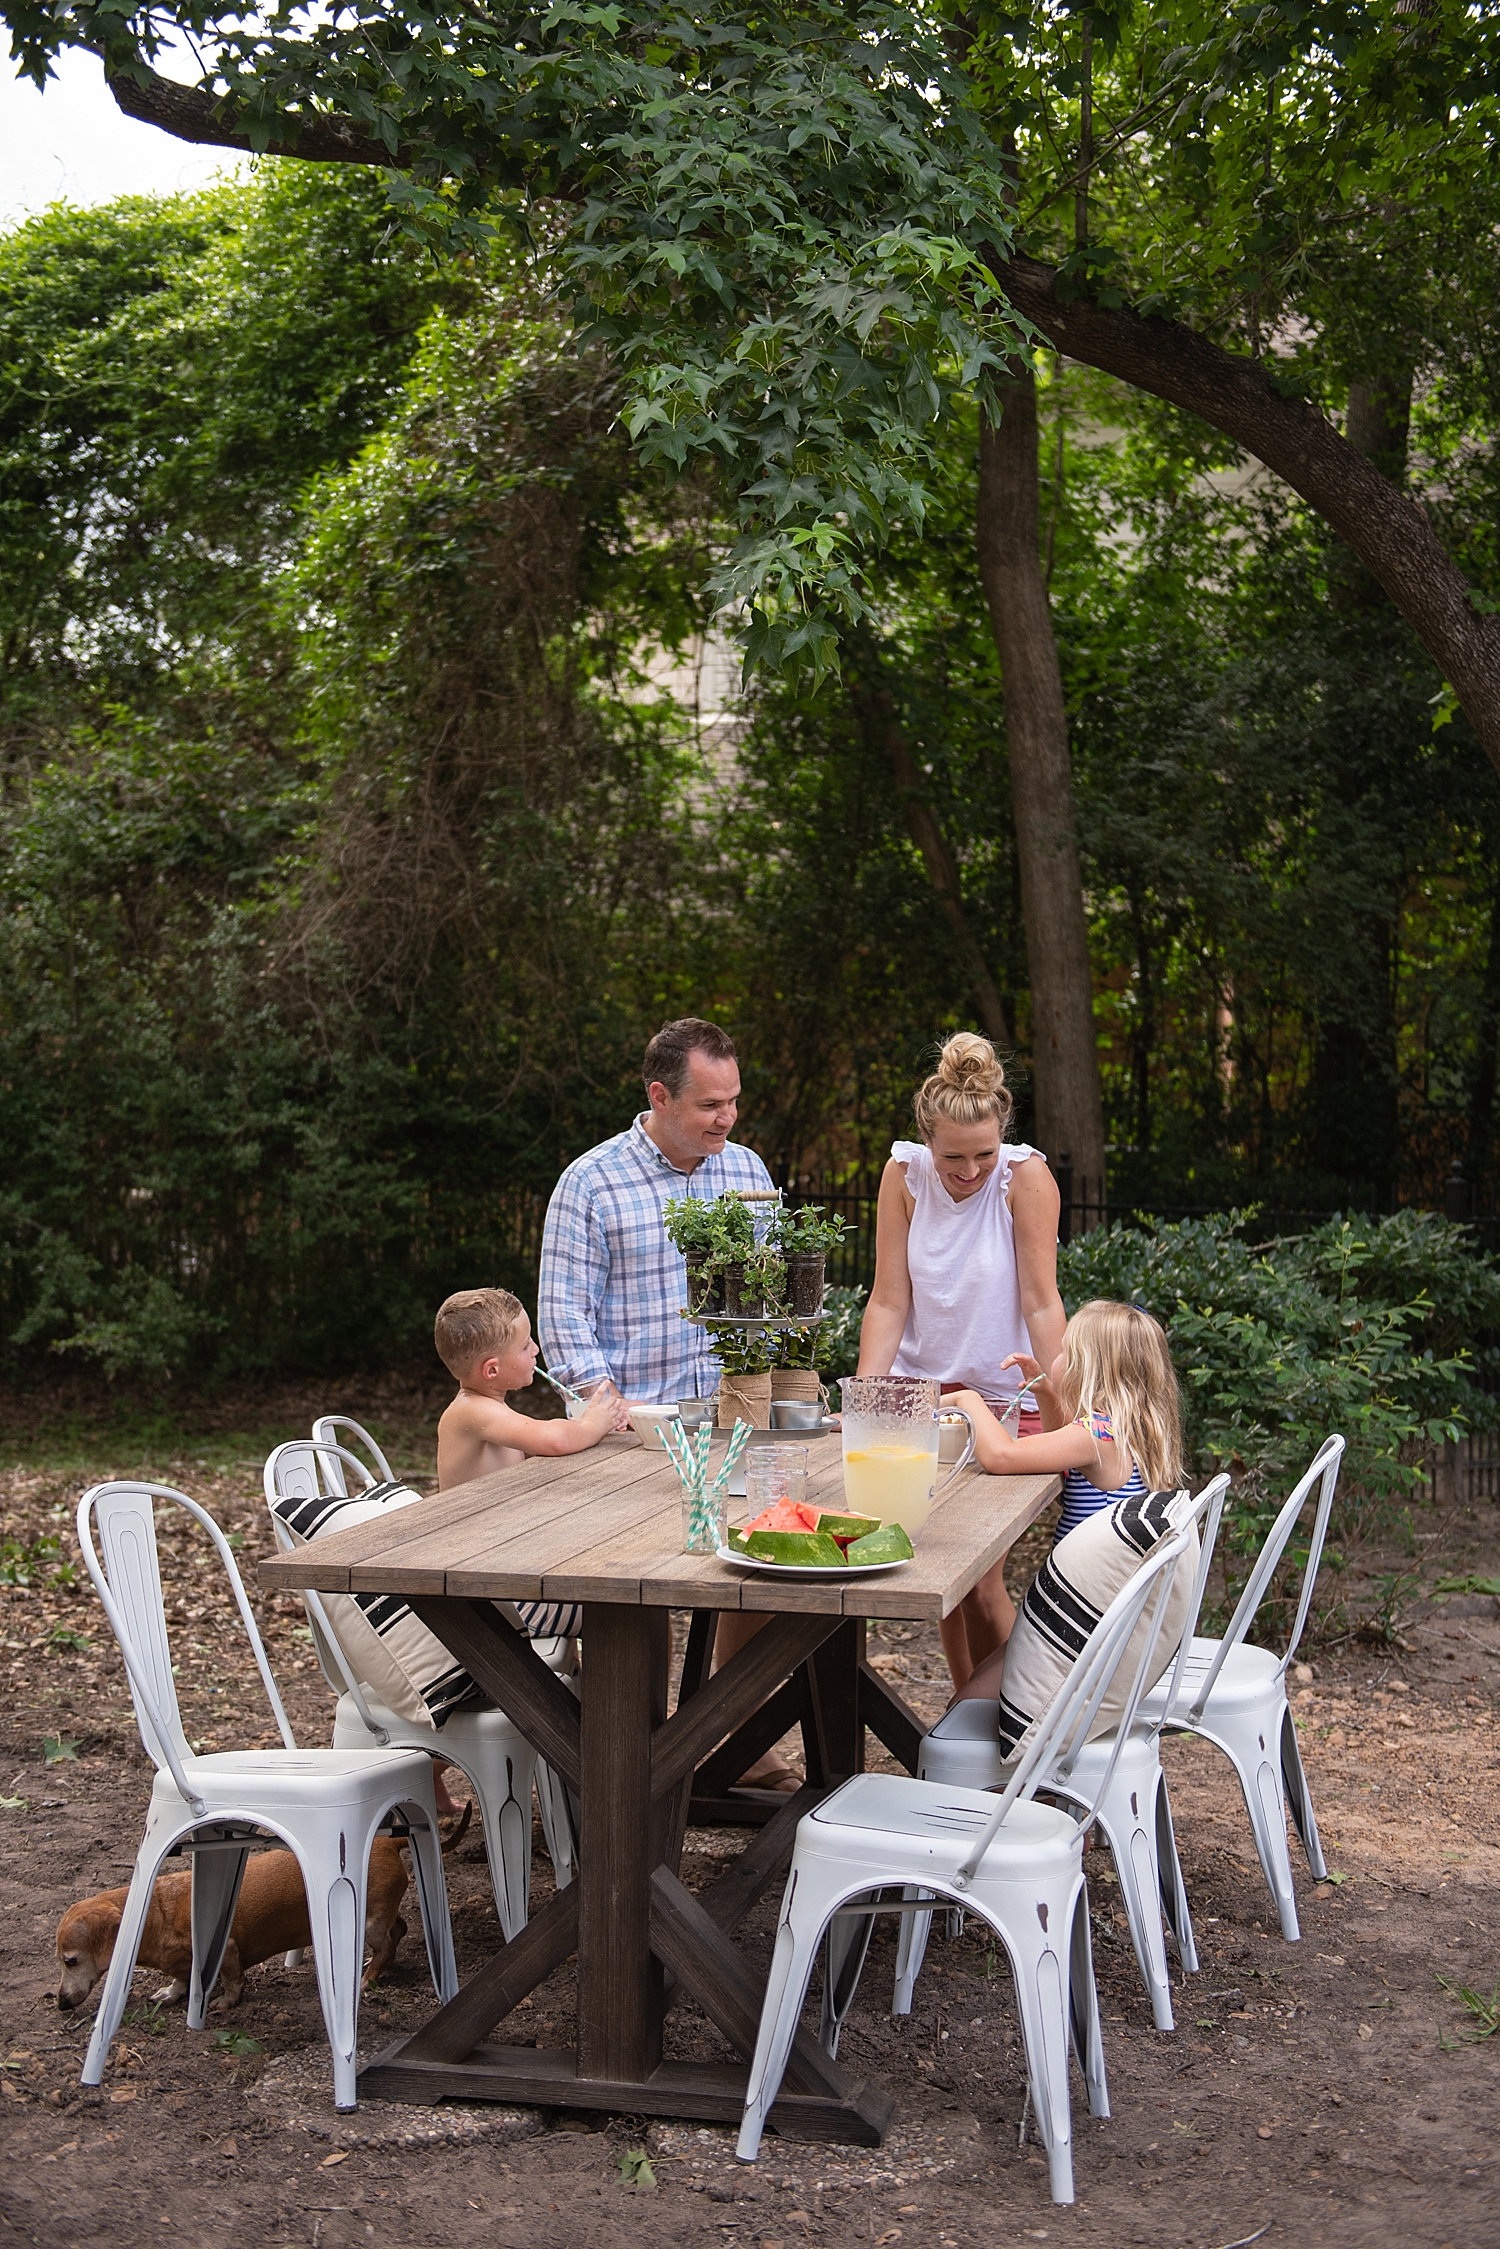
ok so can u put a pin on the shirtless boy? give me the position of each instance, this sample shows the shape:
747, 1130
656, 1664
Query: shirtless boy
483, 1338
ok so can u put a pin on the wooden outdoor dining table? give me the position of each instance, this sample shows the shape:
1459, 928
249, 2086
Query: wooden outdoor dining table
605, 1529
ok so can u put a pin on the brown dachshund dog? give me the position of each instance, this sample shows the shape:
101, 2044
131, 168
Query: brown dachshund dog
270, 1918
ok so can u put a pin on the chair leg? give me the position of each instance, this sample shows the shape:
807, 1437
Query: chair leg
336, 1917
1132, 1841
122, 1965
844, 1953
426, 1850
559, 1823
1259, 1769
1299, 1797
805, 1912
502, 1783
218, 1870
1174, 1897
1083, 2009
1040, 1964
911, 1951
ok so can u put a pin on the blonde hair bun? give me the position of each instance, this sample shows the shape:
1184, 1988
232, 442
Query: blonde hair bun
970, 1064
967, 1087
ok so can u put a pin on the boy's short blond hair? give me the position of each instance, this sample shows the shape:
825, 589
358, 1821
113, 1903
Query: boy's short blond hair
474, 1324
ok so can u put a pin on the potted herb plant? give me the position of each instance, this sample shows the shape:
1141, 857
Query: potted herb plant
713, 1238
757, 1283
804, 1237
745, 1356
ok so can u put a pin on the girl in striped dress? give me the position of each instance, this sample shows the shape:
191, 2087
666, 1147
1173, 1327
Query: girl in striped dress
1111, 1417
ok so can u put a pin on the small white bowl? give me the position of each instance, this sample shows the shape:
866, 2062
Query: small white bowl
646, 1420
952, 1437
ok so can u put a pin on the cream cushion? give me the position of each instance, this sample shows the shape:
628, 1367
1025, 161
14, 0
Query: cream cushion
1071, 1592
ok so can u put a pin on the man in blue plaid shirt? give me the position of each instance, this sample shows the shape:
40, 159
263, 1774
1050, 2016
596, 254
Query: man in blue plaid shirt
612, 1286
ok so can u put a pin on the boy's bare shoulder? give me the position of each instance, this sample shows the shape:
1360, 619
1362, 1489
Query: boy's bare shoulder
461, 1412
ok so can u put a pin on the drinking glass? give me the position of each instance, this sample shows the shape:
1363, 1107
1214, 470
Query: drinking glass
772, 1473
588, 1392
705, 1522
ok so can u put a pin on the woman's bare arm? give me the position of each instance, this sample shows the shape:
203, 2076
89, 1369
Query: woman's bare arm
884, 1323
1034, 1205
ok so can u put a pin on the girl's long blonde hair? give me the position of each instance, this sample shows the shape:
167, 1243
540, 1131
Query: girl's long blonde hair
1116, 1361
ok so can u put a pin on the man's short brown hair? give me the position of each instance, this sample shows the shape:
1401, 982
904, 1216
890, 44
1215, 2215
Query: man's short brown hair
669, 1055
474, 1324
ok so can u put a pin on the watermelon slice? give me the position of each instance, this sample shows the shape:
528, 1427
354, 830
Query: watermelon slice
844, 1527
799, 1549
888, 1544
786, 1515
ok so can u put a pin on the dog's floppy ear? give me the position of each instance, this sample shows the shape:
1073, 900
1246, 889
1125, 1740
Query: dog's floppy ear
92, 1930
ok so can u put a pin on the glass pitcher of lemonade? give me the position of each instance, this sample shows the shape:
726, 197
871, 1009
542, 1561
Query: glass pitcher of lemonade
890, 1430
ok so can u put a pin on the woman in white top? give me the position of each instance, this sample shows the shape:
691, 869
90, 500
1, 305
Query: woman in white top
965, 1275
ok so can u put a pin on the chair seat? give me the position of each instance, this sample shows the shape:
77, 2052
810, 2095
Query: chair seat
939, 1824
290, 1776
472, 1722
969, 1720
1248, 1677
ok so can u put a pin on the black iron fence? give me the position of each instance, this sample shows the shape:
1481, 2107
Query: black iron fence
1085, 1203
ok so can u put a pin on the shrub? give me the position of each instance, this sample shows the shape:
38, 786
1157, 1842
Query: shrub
1377, 1328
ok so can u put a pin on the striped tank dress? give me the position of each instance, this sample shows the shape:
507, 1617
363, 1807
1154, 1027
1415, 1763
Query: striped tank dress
1081, 1497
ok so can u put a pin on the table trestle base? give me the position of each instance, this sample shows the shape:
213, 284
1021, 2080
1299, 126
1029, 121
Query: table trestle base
703, 2092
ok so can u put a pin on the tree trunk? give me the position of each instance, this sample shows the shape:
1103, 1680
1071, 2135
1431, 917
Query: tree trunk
1065, 1059
877, 712
1387, 531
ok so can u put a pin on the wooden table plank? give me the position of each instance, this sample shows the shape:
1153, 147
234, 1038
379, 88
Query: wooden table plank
504, 1550
443, 1512
610, 1530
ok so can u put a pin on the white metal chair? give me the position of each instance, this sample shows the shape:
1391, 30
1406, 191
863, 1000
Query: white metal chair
337, 1429
486, 1745
1235, 1696
326, 1805
1016, 1863
1134, 1809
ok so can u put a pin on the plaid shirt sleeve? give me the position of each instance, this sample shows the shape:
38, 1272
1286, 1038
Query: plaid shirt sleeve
574, 1275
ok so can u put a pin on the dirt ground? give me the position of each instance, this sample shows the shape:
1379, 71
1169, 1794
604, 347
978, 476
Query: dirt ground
1323, 2092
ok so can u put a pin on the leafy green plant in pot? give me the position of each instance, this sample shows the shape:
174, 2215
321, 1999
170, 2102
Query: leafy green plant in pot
804, 1237
713, 1238
757, 1283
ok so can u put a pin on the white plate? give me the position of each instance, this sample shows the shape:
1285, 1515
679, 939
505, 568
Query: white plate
811, 1569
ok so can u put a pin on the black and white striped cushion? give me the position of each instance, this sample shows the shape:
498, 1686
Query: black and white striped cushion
1070, 1593
413, 1673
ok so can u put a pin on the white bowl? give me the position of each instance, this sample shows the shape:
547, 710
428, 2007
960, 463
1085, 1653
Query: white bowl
646, 1420
952, 1438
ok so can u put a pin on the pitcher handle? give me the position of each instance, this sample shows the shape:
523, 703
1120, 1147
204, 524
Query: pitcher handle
954, 1413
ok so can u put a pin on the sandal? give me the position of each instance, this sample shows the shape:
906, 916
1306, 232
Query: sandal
779, 1779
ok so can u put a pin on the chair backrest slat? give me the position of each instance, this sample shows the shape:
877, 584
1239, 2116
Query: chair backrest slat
128, 1582
1208, 1514
1324, 1472
338, 1430
1078, 1697
293, 1471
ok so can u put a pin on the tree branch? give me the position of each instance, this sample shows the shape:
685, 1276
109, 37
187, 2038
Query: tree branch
189, 113
1387, 531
